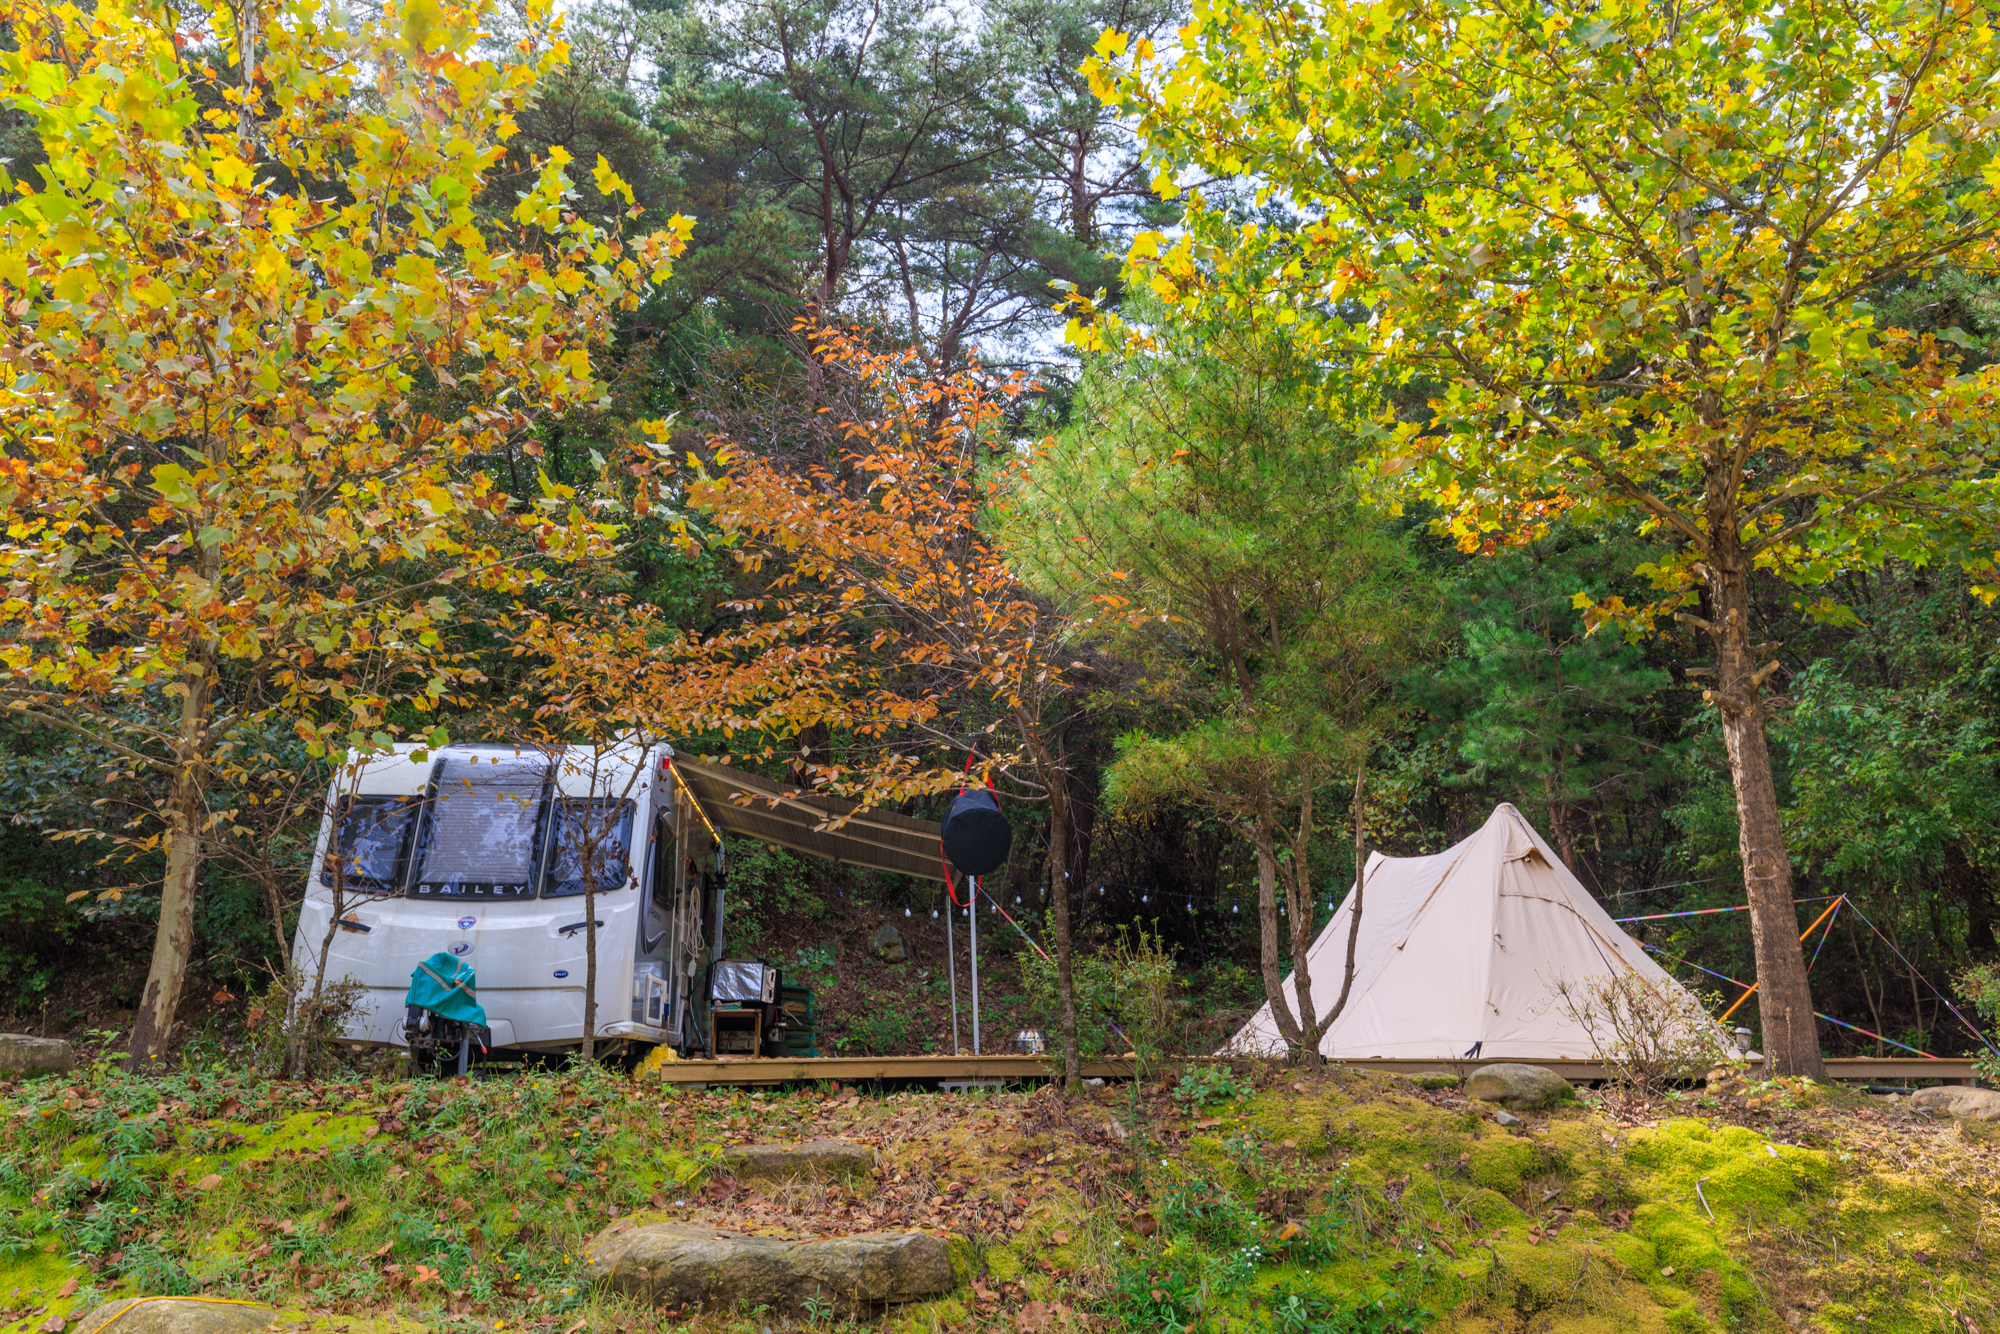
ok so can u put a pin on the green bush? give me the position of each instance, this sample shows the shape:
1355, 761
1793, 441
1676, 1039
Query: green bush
880, 1034
1981, 984
766, 884
1206, 1085
1151, 1294
1204, 1212
1124, 996
1302, 1307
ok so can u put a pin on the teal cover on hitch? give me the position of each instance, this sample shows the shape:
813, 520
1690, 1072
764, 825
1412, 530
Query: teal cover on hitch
443, 985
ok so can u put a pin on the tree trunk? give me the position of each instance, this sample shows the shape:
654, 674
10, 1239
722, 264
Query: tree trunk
173, 940
1059, 886
1297, 880
1268, 958
1558, 821
590, 959
1791, 1032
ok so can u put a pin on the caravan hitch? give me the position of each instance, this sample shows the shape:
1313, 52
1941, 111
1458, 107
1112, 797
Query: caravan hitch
436, 1042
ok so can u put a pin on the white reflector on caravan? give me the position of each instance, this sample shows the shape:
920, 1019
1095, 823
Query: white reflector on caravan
1458, 954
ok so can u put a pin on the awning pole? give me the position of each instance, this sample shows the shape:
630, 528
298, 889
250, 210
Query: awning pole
972, 911
951, 954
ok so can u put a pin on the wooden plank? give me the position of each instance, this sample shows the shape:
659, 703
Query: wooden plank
1872, 1069
853, 1069
849, 1069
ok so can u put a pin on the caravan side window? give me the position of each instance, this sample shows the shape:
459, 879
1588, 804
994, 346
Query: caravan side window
370, 835
578, 824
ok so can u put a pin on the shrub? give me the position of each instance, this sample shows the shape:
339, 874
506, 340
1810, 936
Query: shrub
1981, 985
1124, 996
1646, 1037
293, 1033
766, 885
1304, 1308
1209, 1214
880, 1034
1206, 1085
1153, 1294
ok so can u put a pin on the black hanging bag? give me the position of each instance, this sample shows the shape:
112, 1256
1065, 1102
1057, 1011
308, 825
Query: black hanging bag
976, 835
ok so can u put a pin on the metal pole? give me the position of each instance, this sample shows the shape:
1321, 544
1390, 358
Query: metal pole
951, 953
972, 911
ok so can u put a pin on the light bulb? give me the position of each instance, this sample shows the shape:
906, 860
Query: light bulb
1235, 907
1145, 898
934, 914
906, 910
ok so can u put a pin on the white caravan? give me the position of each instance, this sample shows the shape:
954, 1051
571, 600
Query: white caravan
478, 852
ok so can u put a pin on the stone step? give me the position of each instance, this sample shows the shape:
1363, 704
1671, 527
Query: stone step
676, 1264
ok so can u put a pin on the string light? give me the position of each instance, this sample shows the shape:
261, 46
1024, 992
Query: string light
906, 910
1235, 907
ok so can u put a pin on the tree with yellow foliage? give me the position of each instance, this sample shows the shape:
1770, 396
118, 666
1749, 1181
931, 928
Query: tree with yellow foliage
257, 345
1630, 252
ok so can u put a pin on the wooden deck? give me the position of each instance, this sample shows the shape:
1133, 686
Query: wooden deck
1024, 1069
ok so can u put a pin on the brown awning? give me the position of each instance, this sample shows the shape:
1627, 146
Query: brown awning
791, 818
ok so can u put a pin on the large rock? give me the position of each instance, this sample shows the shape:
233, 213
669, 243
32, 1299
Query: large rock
24, 1055
176, 1315
887, 945
814, 1158
673, 1264
1524, 1087
1959, 1100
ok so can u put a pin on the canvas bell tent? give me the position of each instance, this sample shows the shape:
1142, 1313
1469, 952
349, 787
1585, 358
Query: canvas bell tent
1459, 953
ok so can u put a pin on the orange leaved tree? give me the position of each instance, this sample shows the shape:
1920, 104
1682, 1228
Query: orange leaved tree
933, 644
258, 344
608, 679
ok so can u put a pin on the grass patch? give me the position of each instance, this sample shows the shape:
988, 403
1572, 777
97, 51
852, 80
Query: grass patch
1304, 1203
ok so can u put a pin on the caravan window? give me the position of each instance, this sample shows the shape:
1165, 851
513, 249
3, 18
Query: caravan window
577, 821
369, 837
481, 836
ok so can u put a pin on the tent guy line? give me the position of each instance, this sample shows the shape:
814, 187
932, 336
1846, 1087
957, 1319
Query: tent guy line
1703, 912
1927, 982
1929, 1056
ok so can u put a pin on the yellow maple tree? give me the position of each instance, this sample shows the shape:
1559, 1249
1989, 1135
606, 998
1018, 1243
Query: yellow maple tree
259, 343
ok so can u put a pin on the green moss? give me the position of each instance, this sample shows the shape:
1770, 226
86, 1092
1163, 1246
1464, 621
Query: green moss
1499, 1162
1490, 1209
1004, 1262
1685, 1319
38, 1273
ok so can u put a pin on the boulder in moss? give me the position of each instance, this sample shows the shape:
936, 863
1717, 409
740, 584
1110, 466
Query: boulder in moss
21, 1054
675, 1264
176, 1315
1960, 1100
1522, 1087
